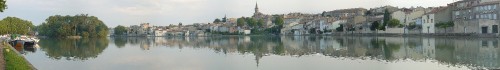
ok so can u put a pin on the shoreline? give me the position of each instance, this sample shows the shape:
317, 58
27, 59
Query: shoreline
472, 35
5, 46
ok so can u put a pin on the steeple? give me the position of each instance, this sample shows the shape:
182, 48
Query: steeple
256, 8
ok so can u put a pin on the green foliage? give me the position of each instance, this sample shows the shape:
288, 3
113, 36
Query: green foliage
340, 29
279, 21
260, 23
217, 20
387, 18
414, 25
13, 61
224, 19
78, 25
120, 30
3, 6
14, 25
241, 21
444, 25
251, 22
394, 23
375, 25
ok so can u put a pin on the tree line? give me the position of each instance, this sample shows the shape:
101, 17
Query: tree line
14, 25
79, 25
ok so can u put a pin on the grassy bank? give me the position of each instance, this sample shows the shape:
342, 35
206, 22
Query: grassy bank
13, 61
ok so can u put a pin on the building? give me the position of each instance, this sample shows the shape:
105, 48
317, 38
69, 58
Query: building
142, 30
437, 15
345, 13
475, 16
399, 15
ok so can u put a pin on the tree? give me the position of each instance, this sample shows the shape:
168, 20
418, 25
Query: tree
14, 25
120, 30
260, 23
279, 21
217, 20
78, 25
251, 22
368, 12
393, 23
241, 21
387, 18
341, 28
375, 26
3, 6
445, 25
413, 25
224, 19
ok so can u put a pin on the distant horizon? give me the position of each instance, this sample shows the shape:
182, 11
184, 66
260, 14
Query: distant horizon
166, 12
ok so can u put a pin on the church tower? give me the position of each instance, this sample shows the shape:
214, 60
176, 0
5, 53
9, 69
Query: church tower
256, 8
257, 13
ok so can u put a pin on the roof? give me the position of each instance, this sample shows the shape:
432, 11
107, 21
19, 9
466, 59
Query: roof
438, 9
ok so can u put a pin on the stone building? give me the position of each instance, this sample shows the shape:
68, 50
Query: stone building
475, 16
140, 30
437, 15
345, 13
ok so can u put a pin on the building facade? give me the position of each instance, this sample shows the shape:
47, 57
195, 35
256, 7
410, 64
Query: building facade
476, 16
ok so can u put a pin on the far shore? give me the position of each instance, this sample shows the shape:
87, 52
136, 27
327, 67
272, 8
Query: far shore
472, 35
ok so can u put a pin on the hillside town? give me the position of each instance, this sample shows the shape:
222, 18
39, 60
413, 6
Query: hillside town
465, 17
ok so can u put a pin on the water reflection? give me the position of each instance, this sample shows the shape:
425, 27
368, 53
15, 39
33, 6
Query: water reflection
73, 49
474, 53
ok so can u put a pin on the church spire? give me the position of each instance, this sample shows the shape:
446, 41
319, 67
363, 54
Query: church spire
256, 7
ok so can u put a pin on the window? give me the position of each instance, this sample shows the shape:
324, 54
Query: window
477, 16
490, 16
494, 16
457, 13
494, 6
480, 8
488, 7
432, 21
495, 43
484, 43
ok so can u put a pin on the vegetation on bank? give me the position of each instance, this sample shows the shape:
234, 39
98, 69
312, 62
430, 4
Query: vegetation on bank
79, 25
14, 25
13, 61
3, 6
445, 25
120, 30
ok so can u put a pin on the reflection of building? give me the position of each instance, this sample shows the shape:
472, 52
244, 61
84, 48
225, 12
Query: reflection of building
453, 52
429, 47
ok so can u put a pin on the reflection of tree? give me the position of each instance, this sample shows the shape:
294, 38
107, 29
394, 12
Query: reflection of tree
73, 49
120, 41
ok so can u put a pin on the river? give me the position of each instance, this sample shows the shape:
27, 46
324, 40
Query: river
265, 53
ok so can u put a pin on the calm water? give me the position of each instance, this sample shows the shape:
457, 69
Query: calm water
266, 53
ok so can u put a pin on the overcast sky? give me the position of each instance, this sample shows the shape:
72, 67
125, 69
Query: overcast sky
165, 12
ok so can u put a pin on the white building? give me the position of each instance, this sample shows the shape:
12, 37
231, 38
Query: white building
160, 32
428, 23
399, 15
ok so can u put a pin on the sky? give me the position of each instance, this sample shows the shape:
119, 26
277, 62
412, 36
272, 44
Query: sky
165, 12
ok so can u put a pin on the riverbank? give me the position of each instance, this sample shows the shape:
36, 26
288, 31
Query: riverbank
13, 59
